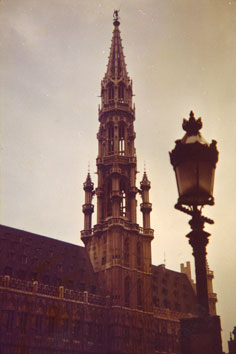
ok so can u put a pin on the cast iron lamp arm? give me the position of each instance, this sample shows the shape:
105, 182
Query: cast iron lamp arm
194, 211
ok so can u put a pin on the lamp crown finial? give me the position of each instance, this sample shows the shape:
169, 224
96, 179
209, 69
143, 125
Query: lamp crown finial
193, 125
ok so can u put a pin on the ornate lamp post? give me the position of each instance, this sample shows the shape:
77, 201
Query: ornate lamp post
194, 162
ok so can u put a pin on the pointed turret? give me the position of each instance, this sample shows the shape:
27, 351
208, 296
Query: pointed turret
145, 183
88, 184
88, 207
212, 297
145, 207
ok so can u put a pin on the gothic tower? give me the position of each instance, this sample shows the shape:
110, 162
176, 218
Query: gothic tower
119, 249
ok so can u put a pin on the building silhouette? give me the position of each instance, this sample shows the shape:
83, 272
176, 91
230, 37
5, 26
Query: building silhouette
106, 297
232, 342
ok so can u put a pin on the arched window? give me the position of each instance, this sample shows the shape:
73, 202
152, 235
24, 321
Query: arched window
110, 139
110, 92
77, 329
126, 252
109, 203
127, 291
121, 139
23, 321
138, 254
139, 293
121, 92
8, 271
123, 199
51, 325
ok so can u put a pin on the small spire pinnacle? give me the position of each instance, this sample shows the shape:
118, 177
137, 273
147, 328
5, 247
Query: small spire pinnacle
89, 167
145, 181
88, 184
144, 167
164, 258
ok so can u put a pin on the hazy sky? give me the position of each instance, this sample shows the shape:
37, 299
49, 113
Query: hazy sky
181, 55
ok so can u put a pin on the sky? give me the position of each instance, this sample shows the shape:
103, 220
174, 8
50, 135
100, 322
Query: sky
181, 56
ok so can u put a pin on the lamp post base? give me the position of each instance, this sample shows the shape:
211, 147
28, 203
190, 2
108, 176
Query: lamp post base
201, 335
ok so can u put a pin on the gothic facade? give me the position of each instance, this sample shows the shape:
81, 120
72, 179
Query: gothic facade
106, 297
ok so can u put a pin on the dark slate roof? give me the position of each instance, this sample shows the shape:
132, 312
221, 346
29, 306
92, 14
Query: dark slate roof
172, 290
31, 257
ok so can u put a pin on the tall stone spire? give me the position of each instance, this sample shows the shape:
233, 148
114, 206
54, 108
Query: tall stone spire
119, 249
116, 68
116, 86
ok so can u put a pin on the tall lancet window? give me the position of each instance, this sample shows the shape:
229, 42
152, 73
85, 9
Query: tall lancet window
123, 199
138, 254
121, 139
139, 293
110, 139
109, 202
127, 291
121, 92
126, 252
110, 92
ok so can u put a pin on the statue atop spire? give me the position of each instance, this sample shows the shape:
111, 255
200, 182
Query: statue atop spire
116, 18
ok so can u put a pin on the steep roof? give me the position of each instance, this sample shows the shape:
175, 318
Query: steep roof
31, 257
172, 290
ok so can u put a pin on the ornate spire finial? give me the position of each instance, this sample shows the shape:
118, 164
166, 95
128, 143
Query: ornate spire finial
164, 258
88, 184
145, 181
192, 126
116, 18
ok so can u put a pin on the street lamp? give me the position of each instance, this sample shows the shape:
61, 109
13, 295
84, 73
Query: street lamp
194, 162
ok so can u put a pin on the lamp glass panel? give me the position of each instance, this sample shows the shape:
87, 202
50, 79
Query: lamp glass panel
195, 181
187, 176
206, 178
